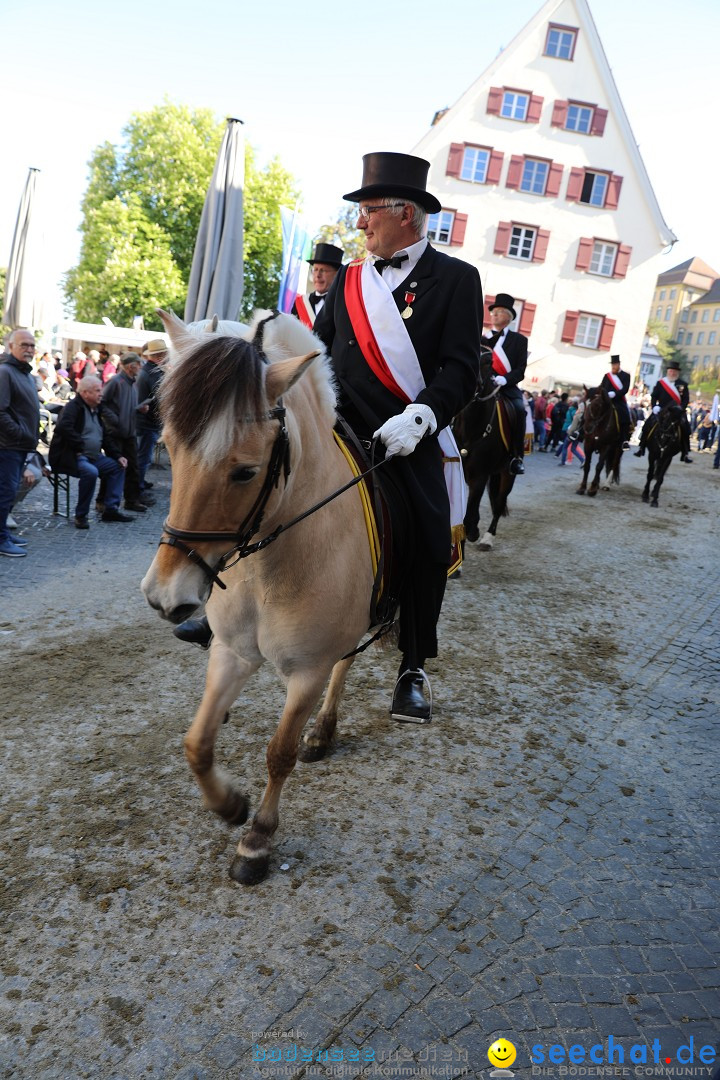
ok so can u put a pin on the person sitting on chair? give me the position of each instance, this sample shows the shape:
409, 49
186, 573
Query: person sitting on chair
510, 351
616, 384
667, 392
326, 261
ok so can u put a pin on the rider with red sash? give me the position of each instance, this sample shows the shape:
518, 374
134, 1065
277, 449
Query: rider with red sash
326, 261
509, 360
616, 383
403, 329
668, 392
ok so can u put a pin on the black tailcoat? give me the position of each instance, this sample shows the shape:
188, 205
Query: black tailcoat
515, 347
661, 397
619, 400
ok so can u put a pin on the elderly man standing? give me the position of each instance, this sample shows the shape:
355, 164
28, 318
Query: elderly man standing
77, 449
120, 403
403, 328
19, 428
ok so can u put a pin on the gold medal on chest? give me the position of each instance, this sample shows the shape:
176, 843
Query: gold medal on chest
406, 313
409, 299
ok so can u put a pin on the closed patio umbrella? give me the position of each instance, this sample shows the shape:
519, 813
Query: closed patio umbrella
23, 304
216, 276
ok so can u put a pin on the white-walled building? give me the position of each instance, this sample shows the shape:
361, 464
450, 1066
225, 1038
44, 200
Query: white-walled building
544, 190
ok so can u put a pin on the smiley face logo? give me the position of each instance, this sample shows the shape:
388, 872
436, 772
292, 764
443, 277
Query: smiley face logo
502, 1054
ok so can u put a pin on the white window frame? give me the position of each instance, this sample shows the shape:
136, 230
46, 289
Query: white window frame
681, 336
514, 105
472, 164
522, 239
716, 315
658, 312
598, 194
700, 338
441, 231
706, 315
602, 260
711, 337
673, 293
534, 166
564, 42
668, 313
579, 118
588, 331
662, 295
688, 339
684, 316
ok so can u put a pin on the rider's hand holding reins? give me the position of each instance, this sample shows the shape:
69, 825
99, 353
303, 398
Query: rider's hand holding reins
402, 433
499, 380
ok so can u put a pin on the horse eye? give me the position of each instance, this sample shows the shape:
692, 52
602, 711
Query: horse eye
243, 474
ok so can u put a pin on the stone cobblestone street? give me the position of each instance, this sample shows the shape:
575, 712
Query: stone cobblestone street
542, 863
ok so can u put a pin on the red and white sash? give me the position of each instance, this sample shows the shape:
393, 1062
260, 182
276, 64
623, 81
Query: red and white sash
672, 390
500, 363
615, 380
385, 343
304, 310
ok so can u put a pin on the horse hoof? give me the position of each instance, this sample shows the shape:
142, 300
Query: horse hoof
236, 809
249, 871
472, 535
312, 751
592, 493
654, 502
486, 544
645, 497
580, 491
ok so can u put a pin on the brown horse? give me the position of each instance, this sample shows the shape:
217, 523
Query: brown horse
251, 445
602, 437
485, 442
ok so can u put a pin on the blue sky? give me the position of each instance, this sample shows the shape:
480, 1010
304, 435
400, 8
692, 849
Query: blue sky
321, 90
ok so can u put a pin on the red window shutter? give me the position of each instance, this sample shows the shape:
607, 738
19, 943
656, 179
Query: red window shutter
541, 245
534, 109
495, 98
458, 230
570, 325
559, 114
606, 334
622, 261
584, 255
515, 169
494, 167
486, 311
527, 319
502, 237
612, 197
598, 121
575, 184
455, 158
554, 177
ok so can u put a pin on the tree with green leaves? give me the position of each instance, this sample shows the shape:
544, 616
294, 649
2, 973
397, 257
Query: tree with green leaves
141, 213
345, 233
668, 349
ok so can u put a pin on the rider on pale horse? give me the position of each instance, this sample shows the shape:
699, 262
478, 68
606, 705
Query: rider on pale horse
510, 351
667, 392
326, 261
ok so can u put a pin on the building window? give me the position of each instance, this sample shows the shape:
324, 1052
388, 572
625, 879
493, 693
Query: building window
662, 294
475, 164
695, 359
700, 338
673, 293
560, 42
668, 313
706, 361
594, 189
587, 334
658, 312
579, 118
693, 316
716, 315
684, 316
681, 336
688, 339
706, 315
602, 260
522, 242
711, 337
514, 105
534, 176
440, 226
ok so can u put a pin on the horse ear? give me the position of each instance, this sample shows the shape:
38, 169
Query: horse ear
176, 330
284, 373
212, 325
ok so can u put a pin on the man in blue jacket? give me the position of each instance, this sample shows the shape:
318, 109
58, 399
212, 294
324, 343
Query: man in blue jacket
19, 428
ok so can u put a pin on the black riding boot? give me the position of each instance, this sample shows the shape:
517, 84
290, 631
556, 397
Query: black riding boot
196, 631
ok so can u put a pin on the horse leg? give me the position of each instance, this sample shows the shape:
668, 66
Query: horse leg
585, 472
251, 862
646, 490
317, 741
596, 479
660, 470
501, 484
472, 513
226, 675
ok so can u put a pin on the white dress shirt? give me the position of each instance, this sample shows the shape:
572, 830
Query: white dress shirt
394, 275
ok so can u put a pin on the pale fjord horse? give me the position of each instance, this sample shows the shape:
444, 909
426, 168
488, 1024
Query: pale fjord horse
302, 602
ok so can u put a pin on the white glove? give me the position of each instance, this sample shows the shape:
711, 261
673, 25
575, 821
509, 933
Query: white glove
611, 393
499, 380
656, 408
402, 433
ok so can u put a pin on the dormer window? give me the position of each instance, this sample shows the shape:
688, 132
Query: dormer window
560, 41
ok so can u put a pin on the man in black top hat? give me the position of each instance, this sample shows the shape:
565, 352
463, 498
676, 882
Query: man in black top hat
668, 391
326, 261
616, 384
403, 328
510, 351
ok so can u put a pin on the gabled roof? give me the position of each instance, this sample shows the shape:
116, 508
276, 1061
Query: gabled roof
711, 297
691, 272
612, 97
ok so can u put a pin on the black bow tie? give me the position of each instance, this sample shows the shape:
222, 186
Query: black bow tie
396, 261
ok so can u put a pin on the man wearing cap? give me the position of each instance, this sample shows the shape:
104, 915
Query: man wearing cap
120, 402
509, 360
403, 330
669, 391
616, 383
326, 261
149, 424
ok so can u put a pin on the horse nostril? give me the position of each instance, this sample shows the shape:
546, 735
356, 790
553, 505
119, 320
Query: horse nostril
181, 613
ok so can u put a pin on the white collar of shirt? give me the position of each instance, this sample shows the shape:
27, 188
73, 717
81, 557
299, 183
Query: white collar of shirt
393, 275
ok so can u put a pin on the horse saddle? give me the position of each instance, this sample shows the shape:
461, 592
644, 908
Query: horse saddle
508, 421
387, 517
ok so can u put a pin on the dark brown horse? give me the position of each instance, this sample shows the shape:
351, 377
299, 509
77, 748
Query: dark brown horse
664, 442
483, 434
602, 437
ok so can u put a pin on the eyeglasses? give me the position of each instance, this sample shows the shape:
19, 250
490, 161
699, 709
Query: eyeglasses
366, 211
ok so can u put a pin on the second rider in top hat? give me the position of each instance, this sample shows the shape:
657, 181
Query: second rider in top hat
403, 330
326, 261
510, 352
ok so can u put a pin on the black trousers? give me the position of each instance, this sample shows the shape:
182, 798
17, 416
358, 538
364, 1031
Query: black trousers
132, 476
421, 600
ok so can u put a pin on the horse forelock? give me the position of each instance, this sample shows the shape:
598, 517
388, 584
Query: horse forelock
213, 394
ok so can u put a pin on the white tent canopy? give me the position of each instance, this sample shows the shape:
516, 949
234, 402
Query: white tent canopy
114, 338
545, 372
